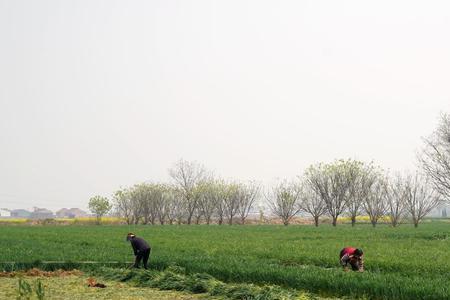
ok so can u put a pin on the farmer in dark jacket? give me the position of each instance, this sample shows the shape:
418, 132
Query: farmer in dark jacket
353, 257
141, 249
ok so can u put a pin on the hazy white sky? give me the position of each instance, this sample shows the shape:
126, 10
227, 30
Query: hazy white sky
95, 95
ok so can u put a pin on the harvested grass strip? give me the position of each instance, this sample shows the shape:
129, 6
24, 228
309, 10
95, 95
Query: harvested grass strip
175, 278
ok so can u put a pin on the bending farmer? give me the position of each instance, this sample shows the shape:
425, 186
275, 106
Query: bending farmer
353, 257
141, 249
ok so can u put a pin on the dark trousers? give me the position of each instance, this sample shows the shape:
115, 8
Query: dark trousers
144, 256
355, 265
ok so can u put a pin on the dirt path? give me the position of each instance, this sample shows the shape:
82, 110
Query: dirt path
76, 287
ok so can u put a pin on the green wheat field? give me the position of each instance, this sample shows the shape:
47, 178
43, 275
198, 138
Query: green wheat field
401, 263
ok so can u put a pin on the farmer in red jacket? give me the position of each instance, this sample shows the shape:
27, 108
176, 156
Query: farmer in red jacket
353, 257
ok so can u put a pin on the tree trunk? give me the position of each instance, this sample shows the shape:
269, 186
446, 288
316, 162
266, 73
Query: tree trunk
220, 220
353, 221
334, 221
316, 221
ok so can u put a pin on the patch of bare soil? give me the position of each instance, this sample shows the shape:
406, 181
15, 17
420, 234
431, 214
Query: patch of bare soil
93, 283
36, 272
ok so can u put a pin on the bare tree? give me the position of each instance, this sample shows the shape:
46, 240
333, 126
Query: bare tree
231, 201
198, 213
147, 196
221, 194
172, 204
187, 175
210, 195
123, 205
163, 203
331, 182
248, 194
283, 201
420, 198
312, 203
361, 178
136, 204
435, 157
395, 199
197, 195
375, 202
180, 211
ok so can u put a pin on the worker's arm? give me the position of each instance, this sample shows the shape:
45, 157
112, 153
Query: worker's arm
345, 259
361, 264
134, 247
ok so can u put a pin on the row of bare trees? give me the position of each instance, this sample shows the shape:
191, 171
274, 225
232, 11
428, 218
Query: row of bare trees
352, 188
342, 188
194, 196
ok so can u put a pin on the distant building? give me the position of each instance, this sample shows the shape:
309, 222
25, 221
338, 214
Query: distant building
41, 213
63, 213
4, 213
70, 213
20, 213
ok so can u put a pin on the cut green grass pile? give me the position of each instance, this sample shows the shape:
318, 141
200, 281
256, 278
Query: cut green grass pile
176, 278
